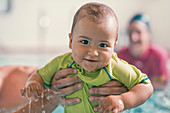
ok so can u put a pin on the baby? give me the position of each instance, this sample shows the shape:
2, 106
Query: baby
92, 40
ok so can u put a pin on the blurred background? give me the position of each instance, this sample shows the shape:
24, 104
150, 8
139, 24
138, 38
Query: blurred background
36, 30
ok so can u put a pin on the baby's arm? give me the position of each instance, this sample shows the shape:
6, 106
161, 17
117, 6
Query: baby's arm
136, 96
34, 86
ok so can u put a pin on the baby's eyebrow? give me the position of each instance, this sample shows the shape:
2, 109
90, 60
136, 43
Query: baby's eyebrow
90, 39
85, 37
103, 41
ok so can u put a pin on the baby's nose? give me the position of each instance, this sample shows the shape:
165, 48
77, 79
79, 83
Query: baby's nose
93, 52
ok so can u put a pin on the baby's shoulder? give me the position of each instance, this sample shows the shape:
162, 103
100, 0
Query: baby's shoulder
63, 57
120, 66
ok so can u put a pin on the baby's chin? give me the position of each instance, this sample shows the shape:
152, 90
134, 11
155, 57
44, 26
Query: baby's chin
90, 69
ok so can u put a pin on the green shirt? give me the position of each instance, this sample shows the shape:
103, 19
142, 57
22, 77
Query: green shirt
117, 69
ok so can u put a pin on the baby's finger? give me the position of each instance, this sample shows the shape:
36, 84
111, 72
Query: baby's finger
34, 91
103, 105
40, 90
115, 110
28, 91
108, 109
22, 92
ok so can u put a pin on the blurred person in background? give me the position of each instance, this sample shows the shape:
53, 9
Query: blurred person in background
12, 79
149, 58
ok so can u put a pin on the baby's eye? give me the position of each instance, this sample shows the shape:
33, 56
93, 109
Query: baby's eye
103, 45
85, 42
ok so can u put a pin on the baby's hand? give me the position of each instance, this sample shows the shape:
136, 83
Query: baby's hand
112, 104
33, 89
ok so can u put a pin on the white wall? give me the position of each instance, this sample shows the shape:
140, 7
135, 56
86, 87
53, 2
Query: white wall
20, 28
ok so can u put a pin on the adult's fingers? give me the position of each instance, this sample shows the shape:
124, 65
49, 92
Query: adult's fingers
96, 108
49, 93
96, 99
70, 101
64, 73
68, 90
113, 83
108, 90
65, 82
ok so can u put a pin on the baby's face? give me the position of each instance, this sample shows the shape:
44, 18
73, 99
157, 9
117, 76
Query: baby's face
93, 44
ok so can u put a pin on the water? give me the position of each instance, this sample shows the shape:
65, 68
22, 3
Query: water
29, 108
42, 97
59, 109
158, 103
24, 59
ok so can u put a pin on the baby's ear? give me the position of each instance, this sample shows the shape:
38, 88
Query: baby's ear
115, 44
116, 41
70, 40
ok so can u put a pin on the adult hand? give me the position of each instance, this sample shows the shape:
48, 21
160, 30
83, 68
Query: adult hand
111, 88
64, 86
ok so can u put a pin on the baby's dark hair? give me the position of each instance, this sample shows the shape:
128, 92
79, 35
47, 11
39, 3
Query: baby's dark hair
96, 12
